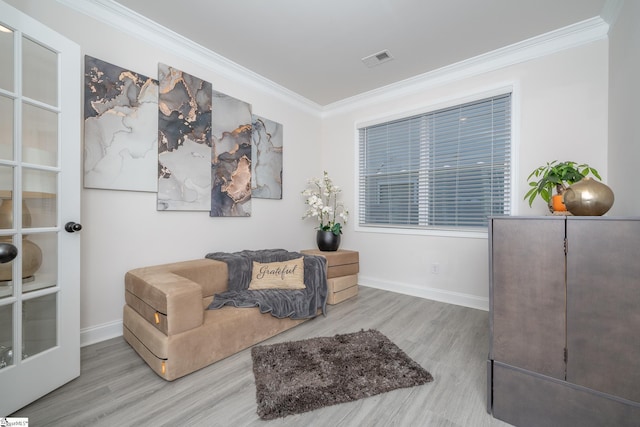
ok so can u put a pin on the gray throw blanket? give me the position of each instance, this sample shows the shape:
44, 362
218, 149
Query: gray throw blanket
281, 303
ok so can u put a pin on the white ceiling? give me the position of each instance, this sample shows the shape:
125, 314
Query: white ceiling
314, 47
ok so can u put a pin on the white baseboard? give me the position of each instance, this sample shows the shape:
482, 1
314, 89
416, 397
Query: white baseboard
457, 298
99, 333
113, 329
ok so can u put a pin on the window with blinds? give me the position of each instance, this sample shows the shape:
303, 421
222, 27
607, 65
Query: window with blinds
448, 169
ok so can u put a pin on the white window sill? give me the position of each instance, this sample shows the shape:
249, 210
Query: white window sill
471, 233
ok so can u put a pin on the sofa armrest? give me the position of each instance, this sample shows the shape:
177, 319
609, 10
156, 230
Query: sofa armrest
170, 302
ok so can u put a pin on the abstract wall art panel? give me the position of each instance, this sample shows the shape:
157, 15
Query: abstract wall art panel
184, 141
120, 128
231, 158
266, 165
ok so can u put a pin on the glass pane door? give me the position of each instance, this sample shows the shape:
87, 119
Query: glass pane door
39, 141
8, 237
39, 289
38, 176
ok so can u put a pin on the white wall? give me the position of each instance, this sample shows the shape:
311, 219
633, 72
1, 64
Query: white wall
624, 93
122, 230
561, 105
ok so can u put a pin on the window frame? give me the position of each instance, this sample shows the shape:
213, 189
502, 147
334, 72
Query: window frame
443, 103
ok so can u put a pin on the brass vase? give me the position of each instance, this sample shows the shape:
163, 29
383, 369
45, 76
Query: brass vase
588, 198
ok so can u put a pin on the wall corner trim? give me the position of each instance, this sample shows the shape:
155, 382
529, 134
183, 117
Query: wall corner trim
611, 11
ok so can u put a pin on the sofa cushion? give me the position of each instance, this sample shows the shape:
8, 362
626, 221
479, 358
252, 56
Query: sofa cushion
223, 333
168, 296
278, 275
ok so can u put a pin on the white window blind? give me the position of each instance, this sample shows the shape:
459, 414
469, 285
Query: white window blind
448, 169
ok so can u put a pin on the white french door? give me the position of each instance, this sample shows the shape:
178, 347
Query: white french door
40, 116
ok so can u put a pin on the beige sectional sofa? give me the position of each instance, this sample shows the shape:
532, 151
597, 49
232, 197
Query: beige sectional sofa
167, 322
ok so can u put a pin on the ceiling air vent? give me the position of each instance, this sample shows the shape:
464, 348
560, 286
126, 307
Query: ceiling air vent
377, 58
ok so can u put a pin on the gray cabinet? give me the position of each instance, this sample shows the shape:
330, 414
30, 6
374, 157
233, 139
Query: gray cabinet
603, 306
529, 296
564, 321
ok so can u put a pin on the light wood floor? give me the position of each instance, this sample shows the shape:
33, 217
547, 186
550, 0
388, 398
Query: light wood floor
116, 388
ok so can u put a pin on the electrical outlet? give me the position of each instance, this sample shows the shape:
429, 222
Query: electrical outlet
435, 268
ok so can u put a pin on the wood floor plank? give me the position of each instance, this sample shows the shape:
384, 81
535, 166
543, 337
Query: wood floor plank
117, 388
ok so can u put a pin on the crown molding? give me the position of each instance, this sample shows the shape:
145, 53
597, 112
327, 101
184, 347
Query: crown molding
115, 15
583, 32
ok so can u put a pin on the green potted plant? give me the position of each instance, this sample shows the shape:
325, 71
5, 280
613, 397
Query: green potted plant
558, 175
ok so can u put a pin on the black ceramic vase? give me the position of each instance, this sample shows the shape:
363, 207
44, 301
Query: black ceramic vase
327, 241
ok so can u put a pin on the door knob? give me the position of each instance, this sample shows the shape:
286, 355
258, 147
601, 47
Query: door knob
72, 227
8, 252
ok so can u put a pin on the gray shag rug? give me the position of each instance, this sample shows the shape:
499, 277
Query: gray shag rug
301, 376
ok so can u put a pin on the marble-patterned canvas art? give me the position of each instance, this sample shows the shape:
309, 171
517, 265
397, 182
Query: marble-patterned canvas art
120, 128
184, 141
231, 157
266, 167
